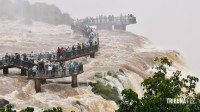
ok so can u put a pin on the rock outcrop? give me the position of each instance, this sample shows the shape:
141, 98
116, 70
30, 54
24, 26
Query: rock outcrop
3, 102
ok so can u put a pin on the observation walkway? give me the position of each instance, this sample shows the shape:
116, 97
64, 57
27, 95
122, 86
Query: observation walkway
109, 22
27, 63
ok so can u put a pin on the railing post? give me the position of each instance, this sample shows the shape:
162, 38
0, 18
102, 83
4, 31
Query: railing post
37, 85
92, 55
43, 81
23, 72
74, 80
5, 71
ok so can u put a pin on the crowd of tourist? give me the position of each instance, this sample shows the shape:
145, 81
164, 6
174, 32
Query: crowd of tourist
75, 50
42, 66
53, 69
109, 19
16, 58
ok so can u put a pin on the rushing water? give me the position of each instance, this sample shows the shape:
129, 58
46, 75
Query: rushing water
118, 50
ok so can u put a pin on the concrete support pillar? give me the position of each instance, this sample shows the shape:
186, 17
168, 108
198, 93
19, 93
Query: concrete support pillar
120, 27
43, 81
74, 81
124, 27
23, 72
104, 26
38, 85
5, 71
92, 55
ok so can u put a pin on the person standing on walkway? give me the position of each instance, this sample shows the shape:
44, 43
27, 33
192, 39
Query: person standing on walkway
46, 68
64, 70
78, 49
58, 53
61, 51
50, 69
6, 58
34, 69
73, 49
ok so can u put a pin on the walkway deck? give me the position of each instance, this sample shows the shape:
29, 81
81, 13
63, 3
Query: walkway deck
50, 76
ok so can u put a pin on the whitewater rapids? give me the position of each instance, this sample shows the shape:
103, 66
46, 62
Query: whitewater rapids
118, 50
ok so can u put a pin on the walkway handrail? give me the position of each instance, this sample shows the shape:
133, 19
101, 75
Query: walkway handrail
65, 55
81, 28
17, 63
128, 19
57, 72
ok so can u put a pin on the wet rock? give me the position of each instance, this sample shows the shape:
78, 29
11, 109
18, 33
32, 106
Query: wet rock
3, 102
92, 84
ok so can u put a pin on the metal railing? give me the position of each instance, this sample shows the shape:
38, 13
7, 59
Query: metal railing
105, 20
81, 28
76, 53
56, 72
16, 62
65, 55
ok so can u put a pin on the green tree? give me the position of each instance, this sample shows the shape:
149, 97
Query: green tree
106, 91
158, 88
28, 109
7, 108
130, 102
58, 109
